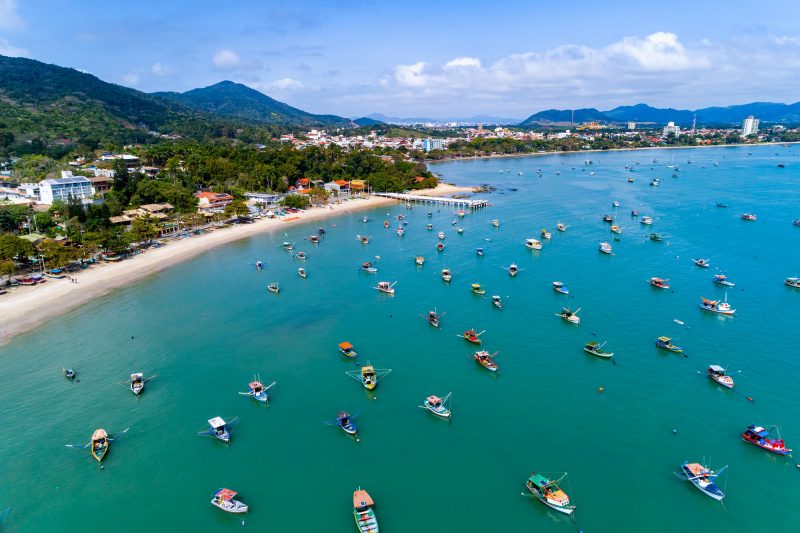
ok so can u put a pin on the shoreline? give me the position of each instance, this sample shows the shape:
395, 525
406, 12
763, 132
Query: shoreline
596, 150
26, 308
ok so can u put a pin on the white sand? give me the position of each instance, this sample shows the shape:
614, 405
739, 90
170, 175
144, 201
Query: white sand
25, 308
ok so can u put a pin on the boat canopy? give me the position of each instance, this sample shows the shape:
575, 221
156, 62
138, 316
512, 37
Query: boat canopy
362, 499
345, 346
476, 285
709, 302
99, 434
136, 376
369, 369
216, 422
539, 481
716, 368
254, 385
758, 430
434, 399
695, 468
225, 494
665, 340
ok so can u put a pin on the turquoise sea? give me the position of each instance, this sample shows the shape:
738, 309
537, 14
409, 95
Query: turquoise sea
206, 326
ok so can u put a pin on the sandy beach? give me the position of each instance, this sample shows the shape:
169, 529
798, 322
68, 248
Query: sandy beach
25, 308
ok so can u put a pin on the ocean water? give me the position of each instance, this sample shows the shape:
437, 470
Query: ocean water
207, 326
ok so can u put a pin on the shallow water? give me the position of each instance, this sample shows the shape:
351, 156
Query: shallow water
207, 326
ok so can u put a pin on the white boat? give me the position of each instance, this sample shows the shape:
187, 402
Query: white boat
647, 220
137, 383
219, 429
497, 301
570, 316
400, 232
605, 248
533, 244
792, 282
513, 270
302, 272
441, 235
224, 499
419, 260
703, 263
437, 406
615, 203
703, 478
447, 275
385, 286
560, 287
460, 230
717, 373
496, 223
715, 306
288, 246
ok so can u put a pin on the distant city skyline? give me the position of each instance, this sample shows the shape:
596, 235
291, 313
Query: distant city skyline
440, 60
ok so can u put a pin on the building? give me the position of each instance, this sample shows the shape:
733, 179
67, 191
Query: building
749, 126
434, 144
631, 125
101, 184
261, 198
212, 202
64, 187
671, 128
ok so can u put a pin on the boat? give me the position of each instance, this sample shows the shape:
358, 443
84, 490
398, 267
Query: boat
760, 437
549, 493
274, 287
258, 391
796, 222
546, 234
385, 286
615, 203
224, 499
605, 248
715, 306
656, 237
433, 318
722, 279
69, 373
369, 375
702, 478
313, 239
429, 227
55, 273
792, 282
363, 512
460, 230
496, 223
561, 227
616, 229
720, 204
100, 444
533, 244
363, 238
560, 287
447, 275
400, 232
717, 373
659, 283
654, 182
630, 180
634, 213
703, 263
345, 422
368, 267
646, 220
364, 219
748, 216
437, 406
439, 246
441, 235
137, 382
497, 301
477, 289
595, 348
570, 316
472, 336
259, 265
665, 343
608, 218
781, 165
486, 360
419, 260
479, 252
288, 246
513, 270
347, 349
26, 281
302, 272
386, 224
112, 257
219, 429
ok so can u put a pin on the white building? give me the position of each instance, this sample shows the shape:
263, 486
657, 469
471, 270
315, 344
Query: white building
631, 125
435, 144
749, 126
64, 187
671, 128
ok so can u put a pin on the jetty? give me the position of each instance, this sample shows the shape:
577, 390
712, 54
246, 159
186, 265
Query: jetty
438, 200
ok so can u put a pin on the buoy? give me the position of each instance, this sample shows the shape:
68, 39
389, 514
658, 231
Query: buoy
674, 431
600, 389
102, 467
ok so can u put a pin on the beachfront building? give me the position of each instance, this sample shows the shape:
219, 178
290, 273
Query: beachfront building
672, 128
434, 144
212, 202
749, 126
262, 198
157, 212
68, 185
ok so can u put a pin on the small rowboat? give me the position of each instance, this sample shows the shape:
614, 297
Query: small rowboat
259, 265
447, 275
363, 238
533, 244
437, 406
472, 336
496, 223
634, 213
433, 318
702, 263
274, 287
439, 246
137, 382
659, 283
367, 267
497, 301
345, 422
665, 343
441, 235
549, 493
656, 237
615, 203
302, 273
595, 348
366, 521
419, 260
715, 306
288, 246
301, 256
69, 373
647, 221
368, 375
258, 391
477, 289
486, 360
313, 239
513, 269
385, 286
608, 218
759, 436
100, 444
561, 227
722, 279
385, 223
347, 350
429, 227
570, 316
546, 234
717, 373
702, 478
560, 287
748, 216
460, 230
616, 229
223, 499
479, 252
792, 282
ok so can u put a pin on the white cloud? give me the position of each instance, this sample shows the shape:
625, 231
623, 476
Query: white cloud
9, 18
285, 84
131, 78
411, 75
159, 70
463, 62
7, 49
658, 52
226, 59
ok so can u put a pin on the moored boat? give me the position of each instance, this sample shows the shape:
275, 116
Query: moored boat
513, 270
702, 478
368, 267
656, 237
496, 223
497, 301
702, 263
369, 375
386, 287
363, 512
717, 373
659, 283
224, 499
345, 422
420, 260
760, 437
486, 360
615, 203
347, 350
472, 336
302, 272
665, 343
69, 373
441, 235
433, 318
561, 227
748, 216
258, 391
549, 493
792, 282
616, 229
715, 306
100, 444
429, 227
437, 406
313, 239
546, 234
301, 256
608, 218
447, 275
533, 244
479, 252
274, 287
219, 429
722, 279
288, 246
477, 289
605, 248
595, 348
439, 246
634, 213
560, 287
647, 220
570, 316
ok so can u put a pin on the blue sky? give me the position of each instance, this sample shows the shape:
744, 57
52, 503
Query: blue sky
436, 58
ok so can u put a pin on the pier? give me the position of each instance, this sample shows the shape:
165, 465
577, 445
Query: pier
431, 200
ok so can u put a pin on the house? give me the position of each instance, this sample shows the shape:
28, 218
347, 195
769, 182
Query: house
101, 184
212, 202
261, 198
302, 183
65, 187
155, 211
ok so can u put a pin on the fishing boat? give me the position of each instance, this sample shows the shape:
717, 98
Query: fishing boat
224, 499
313, 239
656, 237
496, 223
55, 273
259, 265
301, 256
100, 444
363, 512
486, 360
472, 336
654, 182
646, 220
717, 373
419, 260
400, 232
715, 306
595, 348
759, 436
364, 219
512, 269
560, 287
433, 318
479, 252
477, 289
302, 272
615, 203
288, 246
702, 478
258, 391
460, 230
385, 286
369, 375
570, 316
497, 301
368, 267
634, 213
69, 373
112, 257
659, 283
219, 429
137, 382
439, 246
722, 279
533, 244
429, 227
363, 238
26, 281
344, 421
792, 282
347, 349
386, 224
274, 287
561, 227
546, 234
665, 343
616, 229
441, 235
605, 248
437, 406
549, 493
608, 218
447, 275
748, 216
702, 263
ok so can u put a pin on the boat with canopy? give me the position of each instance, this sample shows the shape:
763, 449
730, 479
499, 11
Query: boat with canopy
703, 478
369, 375
346, 349
224, 499
363, 512
447, 275
438, 406
533, 244
477, 289
665, 343
595, 348
219, 429
715, 306
386, 287
472, 336
760, 436
722, 279
659, 283
717, 373
549, 492
258, 391
486, 360
560, 287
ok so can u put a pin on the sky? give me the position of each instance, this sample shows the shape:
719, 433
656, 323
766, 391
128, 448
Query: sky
437, 58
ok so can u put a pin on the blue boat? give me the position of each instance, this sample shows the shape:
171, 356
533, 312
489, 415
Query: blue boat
702, 478
219, 429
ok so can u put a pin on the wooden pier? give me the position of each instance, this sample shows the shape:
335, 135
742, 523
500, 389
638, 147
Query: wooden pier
435, 200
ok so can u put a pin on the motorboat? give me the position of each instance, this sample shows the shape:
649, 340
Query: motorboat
224, 499
605, 248
760, 437
437, 406
715, 306
596, 348
346, 349
549, 493
703, 478
665, 343
717, 373
386, 287
477, 289
647, 220
533, 244
560, 287
659, 283
722, 279
302, 272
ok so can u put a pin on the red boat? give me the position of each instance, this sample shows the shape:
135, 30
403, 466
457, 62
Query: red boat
659, 283
760, 437
485, 359
472, 336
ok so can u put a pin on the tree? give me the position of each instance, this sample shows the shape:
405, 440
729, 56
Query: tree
7, 267
13, 247
57, 254
144, 229
237, 208
296, 201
